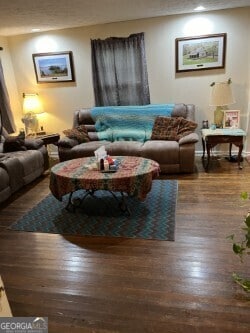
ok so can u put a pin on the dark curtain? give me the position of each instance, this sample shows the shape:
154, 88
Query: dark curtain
120, 71
6, 116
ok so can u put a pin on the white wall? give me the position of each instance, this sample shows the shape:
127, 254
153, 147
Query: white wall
61, 99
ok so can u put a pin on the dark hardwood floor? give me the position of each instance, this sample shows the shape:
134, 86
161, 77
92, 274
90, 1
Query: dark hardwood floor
100, 284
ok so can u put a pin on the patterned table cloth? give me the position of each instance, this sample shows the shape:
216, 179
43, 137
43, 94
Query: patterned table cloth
134, 176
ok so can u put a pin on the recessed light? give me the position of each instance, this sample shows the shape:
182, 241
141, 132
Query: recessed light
35, 29
199, 8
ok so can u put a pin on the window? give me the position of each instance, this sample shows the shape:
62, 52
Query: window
120, 71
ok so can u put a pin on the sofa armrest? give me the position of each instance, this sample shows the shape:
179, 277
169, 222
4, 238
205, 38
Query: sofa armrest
190, 138
33, 144
66, 142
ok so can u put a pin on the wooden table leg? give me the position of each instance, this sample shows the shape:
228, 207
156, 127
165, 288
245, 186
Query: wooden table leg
208, 146
239, 155
230, 151
203, 146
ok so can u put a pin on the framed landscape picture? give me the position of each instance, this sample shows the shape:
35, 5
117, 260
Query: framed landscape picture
231, 119
200, 53
53, 67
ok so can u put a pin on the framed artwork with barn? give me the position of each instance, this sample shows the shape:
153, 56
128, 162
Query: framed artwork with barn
54, 67
200, 53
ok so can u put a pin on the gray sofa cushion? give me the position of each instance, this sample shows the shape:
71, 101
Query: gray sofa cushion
23, 166
5, 180
87, 149
125, 148
32, 163
164, 152
15, 171
5, 190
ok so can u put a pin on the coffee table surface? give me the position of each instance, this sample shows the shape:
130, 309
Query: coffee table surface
134, 176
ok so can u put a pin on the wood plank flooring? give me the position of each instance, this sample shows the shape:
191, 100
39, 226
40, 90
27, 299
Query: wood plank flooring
100, 284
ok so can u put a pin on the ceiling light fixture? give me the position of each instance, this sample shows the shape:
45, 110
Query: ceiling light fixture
35, 29
199, 8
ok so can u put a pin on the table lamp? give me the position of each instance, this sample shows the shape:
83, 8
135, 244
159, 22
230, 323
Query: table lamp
221, 97
31, 107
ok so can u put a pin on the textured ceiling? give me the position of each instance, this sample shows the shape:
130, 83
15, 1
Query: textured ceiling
20, 16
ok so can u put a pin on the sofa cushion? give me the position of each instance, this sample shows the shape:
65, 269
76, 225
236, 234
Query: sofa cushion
80, 133
32, 163
4, 177
87, 149
5, 190
162, 151
14, 169
125, 148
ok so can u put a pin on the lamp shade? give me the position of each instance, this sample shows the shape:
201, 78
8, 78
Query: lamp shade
221, 94
32, 104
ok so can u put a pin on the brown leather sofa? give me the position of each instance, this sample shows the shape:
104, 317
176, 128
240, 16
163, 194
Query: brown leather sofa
20, 166
173, 156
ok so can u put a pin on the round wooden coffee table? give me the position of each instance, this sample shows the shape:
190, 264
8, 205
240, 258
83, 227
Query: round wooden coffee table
133, 178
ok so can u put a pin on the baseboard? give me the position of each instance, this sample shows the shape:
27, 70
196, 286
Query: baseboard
222, 153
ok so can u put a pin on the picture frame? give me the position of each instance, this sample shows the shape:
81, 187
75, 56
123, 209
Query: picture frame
54, 67
231, 119
200, 53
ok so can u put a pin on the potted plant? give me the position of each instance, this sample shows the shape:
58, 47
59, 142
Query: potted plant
242, 247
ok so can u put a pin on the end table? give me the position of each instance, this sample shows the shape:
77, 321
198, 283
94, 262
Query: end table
49, 138
210, 138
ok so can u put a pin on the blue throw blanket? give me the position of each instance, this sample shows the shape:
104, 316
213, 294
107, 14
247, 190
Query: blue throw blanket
128, 122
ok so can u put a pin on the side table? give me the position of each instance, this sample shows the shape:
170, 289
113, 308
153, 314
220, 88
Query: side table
210, 138
49, 138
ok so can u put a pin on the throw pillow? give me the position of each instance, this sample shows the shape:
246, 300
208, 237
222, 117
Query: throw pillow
13, 143
165, 128
80, 133
172, 128
186, 127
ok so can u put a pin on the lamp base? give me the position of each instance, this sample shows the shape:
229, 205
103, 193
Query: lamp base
31, 123
218, 117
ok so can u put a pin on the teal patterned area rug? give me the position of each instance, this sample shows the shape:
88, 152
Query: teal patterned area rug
153, 218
